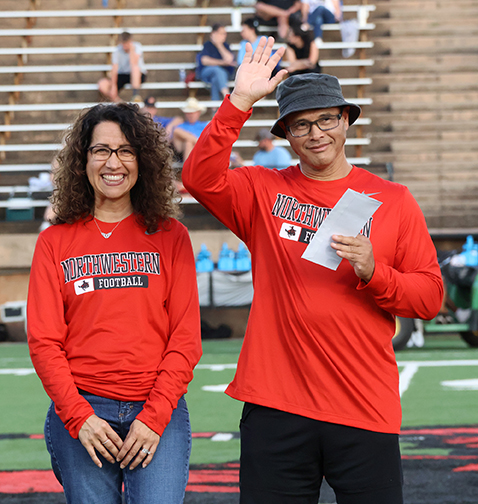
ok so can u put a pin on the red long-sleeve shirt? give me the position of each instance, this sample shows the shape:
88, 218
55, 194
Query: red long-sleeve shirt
118, 318
318, 342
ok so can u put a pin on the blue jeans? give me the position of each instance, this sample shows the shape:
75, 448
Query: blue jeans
163, 481
321, 15
217, 77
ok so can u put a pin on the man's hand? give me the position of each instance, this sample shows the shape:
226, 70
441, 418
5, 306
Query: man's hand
141, 442
253, 78
358, 251
96, 435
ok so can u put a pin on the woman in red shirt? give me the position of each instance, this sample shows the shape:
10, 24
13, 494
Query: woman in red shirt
113, 314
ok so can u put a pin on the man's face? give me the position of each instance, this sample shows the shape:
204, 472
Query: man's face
265, 144
126, 46
192, 117
151, 110
319, 150
219, 36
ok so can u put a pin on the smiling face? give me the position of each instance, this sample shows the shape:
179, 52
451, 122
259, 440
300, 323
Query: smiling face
112, 180
321, 153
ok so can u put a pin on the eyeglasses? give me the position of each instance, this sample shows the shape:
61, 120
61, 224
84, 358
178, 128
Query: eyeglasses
324, 123
103, 153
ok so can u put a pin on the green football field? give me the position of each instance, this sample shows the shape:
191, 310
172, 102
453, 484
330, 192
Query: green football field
439, 386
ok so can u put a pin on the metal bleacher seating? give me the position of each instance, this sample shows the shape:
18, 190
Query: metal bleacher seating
43, 87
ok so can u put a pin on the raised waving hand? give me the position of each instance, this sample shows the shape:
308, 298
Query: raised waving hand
253, 78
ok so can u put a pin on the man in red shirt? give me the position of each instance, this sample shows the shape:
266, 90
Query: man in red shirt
317, 371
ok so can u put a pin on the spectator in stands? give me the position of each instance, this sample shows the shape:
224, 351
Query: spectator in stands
277, 13
249, 33
270, 155
186, 134
113, 314
301, 53
317, 370
128, 67
315, 13
215, 64
168, 123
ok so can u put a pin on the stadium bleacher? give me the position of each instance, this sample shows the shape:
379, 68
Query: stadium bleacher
43, 87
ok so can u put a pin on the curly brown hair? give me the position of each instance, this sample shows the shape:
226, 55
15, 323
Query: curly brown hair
154, 196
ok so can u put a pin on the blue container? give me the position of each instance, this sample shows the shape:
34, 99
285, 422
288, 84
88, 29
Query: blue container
243, 258
203, 260
470, 252
227, 259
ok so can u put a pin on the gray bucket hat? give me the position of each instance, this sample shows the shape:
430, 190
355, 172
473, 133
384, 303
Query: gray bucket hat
310, 91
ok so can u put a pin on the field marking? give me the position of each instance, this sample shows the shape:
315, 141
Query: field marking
440, 363
222, 436
410, 368
215, 388
17, 371
406, 377
461, 384
216, 367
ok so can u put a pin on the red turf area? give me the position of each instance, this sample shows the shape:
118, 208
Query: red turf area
218, 480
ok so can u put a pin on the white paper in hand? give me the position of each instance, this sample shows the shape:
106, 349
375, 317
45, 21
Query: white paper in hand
347, 218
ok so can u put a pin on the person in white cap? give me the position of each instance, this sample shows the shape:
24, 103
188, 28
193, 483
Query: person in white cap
186, 134
317, 370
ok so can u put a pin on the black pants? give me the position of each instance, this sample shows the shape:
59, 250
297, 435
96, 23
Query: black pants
124, 79
284, 458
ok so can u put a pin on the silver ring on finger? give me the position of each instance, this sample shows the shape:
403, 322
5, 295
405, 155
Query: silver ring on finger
104, 442
147, 452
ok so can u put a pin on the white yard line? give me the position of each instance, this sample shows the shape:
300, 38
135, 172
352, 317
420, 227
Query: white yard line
411, 367
17, 371
216, 367
440, 363
406, 377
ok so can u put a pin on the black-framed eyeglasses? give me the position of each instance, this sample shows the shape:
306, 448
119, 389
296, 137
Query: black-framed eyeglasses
324, 123
103, 153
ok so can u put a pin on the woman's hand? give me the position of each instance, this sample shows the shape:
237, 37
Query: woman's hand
253, 78
141, 442
96, 435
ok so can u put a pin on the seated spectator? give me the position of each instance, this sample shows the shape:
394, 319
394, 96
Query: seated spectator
315, 13
270, 155
277, 13
128, 68
168, 123
249, 33
301, 52
215, 64
186, 134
